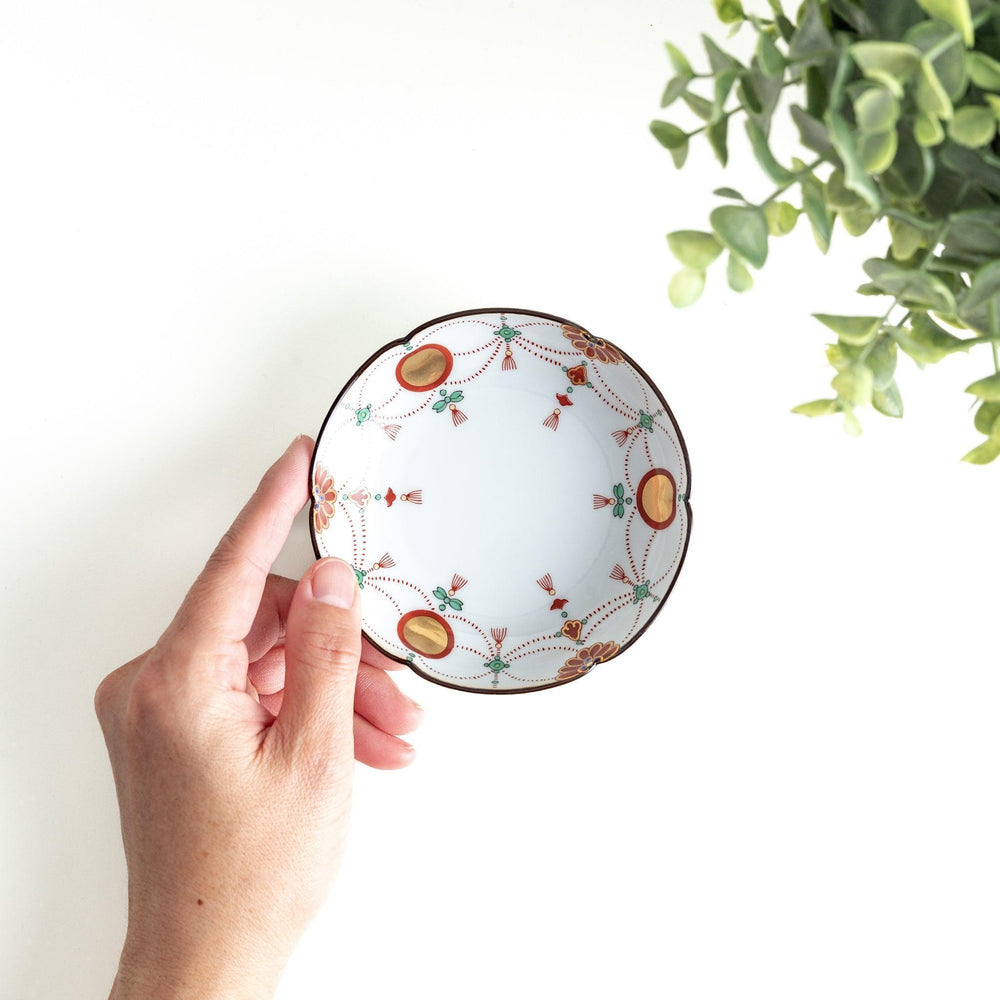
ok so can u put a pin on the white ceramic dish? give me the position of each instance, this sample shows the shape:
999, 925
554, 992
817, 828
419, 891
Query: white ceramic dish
512, 492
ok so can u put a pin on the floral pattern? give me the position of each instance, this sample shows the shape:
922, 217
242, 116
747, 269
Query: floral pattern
586, 659
324, 496
592, 347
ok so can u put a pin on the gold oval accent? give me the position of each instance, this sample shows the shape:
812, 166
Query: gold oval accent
426, 368
427, 634
657, 498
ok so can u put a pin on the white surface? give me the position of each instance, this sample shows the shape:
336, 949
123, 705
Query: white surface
212, 213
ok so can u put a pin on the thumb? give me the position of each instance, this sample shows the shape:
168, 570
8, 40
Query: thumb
322, 650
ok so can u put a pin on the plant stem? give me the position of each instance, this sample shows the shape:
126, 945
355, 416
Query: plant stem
796, 177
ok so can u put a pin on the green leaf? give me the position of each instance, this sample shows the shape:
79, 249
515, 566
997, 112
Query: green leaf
925, 341
743, 229
855, 175
928, 129
953, 12
984, 70
890, 63
993, 100
983, 453
812, 42
986, 419
986, 388
668, 135
728, 192
457, 396
985, 287
699, 105
839, 198
441, 594
858, 221
674, 89
931, 96
729, 11
717, 132
888, 401
912, 169
814, 205
737, 276
678, 60
694, 249
876, 110
975, 166
878, 151
765, 158
906, 239
854, 330
817, 408
440, 405
723, 85
746, 91
973, 126
772, 62
944, 48
456, 604
852, 425
882, 360
686, 287
619, 490
781, 217
973, 235
854, 385
813, 134
720, 61
680, 155
912, 288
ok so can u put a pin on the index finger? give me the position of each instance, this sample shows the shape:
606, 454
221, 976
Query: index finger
223, 602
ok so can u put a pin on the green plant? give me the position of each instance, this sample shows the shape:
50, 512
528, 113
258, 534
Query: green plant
899, 106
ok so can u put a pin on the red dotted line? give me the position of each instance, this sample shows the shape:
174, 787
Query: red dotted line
645, 554
475, 375
668, 431
600, 378
474, 627
628, 548
475, 350
387, 595
422, 406
354, 534
631, 628
406, 583
544, 649
475, 652
526, 644
628, 478
542, 347
542, 357
677, 555
618, 603
645, 444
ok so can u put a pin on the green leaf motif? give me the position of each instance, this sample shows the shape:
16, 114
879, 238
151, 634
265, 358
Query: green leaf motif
440, 593
743, 229
927, 129
674, 89
931, 96
439, 405
855, 174
699, 105
618, 510
812, 42
619, 490
881, 360
693, 248
686, 287
854, 330
925, 341
772, 62
717, 133
890, 63
729, 11
819, 216
888, 401
877, 151
876, 110
987, 418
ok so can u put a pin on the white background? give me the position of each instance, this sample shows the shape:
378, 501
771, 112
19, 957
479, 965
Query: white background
212, 213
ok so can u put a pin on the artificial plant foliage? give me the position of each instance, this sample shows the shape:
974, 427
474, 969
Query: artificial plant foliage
896, 104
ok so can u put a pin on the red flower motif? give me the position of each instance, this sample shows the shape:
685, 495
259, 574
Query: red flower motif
577, 375
324, 496
592, 347
572, 628
585, 659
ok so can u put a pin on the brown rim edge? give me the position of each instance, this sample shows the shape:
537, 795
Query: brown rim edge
686, 496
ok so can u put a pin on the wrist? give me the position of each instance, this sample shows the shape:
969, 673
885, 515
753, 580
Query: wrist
208, 970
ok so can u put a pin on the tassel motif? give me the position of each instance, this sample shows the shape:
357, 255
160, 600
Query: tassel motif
392, 430
545, 582
499, 634
552, 420
414, 496
457, 416
509, 364
457, 583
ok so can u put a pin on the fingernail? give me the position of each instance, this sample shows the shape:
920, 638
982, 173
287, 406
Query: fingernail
334, 582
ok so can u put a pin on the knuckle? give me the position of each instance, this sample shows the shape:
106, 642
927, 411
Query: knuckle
334, 653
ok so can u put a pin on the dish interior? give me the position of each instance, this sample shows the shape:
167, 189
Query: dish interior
512, 494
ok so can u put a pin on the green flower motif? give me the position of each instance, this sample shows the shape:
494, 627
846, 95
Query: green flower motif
360, 574
451, 602
442, 404
496, 665
641, 592
645, 421
508, 333
363, 414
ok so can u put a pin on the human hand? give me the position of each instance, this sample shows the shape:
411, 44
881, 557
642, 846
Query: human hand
231, 743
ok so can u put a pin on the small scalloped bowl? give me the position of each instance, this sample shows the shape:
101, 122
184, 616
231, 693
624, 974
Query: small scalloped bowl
512, 493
